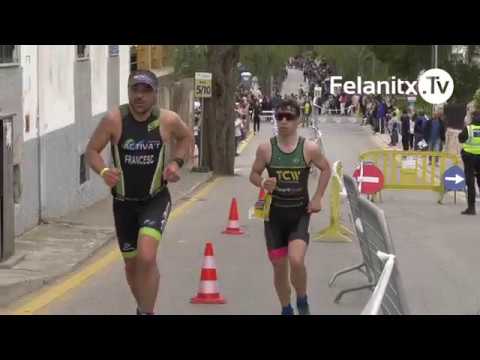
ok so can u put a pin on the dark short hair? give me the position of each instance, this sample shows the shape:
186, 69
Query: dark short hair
288, 105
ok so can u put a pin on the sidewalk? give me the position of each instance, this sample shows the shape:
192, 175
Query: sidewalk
382, 140
60, 246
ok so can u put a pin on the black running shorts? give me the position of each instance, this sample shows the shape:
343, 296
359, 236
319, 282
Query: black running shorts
284, 226
134, 218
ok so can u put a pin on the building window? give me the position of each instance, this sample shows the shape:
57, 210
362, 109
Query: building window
27, 123
8, 54
133, 58
84, 170
113, 50
17, 184
82, 52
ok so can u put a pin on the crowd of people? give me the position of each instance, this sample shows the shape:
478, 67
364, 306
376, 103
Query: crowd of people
315, 97
250, 104
416, 130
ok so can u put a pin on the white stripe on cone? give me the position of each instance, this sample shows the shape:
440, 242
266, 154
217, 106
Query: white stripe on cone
209, 262
233, 224
208, 287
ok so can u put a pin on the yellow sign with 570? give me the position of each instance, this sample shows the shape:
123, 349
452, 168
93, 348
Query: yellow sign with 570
203, 85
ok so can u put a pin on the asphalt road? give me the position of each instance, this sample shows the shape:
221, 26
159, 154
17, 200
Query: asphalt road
437, 248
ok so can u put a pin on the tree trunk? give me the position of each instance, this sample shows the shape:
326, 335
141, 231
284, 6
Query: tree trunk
218, 134
265, 85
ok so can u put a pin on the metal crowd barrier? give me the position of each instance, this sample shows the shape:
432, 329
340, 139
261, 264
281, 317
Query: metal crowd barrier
373, 235
375, 302
375, 228
353, 196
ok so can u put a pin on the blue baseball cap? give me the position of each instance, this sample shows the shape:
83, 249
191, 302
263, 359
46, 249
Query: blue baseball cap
143, 77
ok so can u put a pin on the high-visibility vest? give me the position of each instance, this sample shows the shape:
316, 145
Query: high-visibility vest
306, 109
472, 145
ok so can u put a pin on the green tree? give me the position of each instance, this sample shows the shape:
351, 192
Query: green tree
471, 53
188, 59
264, 62
407, 61
267, 61
351, 61
466, 78
404, 61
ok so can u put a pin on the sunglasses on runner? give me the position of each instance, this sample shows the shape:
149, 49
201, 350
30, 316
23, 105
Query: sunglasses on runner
286, 115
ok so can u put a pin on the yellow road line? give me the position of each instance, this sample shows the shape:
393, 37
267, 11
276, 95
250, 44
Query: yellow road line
245, 143
73, 281
188, 204
61, 289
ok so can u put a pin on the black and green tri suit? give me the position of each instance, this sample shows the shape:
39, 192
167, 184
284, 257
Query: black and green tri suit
142, 201
288, 218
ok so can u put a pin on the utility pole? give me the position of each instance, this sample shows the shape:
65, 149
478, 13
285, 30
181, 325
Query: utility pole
435, 66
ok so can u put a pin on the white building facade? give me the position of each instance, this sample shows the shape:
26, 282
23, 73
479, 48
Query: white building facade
59, 94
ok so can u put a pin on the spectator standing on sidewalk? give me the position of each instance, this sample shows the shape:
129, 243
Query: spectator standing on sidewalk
419, 130
267, 104
244, 128
407, 131
238, 133
301, 92
381, 112
394, 127
374, 119
196, 133
434, 134
307, 111
317, 103
276, 100
257, 109
343, 102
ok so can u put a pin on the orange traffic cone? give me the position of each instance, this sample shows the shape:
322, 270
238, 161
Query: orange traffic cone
208, 292
233, 227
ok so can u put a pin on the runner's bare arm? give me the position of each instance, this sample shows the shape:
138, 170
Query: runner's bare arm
102, 135
176, 129
259, 165
320, 161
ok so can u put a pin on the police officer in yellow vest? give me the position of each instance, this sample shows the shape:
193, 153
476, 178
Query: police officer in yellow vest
470, 137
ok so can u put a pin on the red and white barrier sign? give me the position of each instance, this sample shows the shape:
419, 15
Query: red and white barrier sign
369, 178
